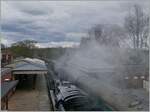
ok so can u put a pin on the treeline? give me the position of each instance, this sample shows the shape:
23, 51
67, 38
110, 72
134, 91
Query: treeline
27, 48
49, 53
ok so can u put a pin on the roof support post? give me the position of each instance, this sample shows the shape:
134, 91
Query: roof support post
34, 80
6, 98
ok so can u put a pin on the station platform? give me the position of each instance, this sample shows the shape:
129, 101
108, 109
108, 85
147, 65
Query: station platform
28, 99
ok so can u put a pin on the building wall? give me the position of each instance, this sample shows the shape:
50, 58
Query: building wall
146, 85
5, 77
135, 81
6, 57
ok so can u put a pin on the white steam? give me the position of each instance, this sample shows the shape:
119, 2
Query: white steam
98, 69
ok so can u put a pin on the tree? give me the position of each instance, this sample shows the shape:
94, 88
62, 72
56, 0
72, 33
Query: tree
19, 51
23, 48
137, 26
3, 46
26, 43
96, 32
109, 35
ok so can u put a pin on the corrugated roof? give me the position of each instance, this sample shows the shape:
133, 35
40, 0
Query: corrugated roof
30, 67
30, 64
6, 87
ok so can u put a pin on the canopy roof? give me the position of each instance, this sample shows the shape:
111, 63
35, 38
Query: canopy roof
29, 66
6, 87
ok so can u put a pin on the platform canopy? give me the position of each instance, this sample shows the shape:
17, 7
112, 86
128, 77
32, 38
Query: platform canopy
6, 87
29, 66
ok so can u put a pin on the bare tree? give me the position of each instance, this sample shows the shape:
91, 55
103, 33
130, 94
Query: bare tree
26, 43
137, 26
3, 46
110, 34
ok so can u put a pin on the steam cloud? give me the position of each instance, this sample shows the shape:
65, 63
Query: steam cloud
100, 70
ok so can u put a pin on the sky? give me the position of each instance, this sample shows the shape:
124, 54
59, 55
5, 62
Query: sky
58, 23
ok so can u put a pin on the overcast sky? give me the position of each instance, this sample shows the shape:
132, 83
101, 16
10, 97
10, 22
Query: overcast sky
54, 22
